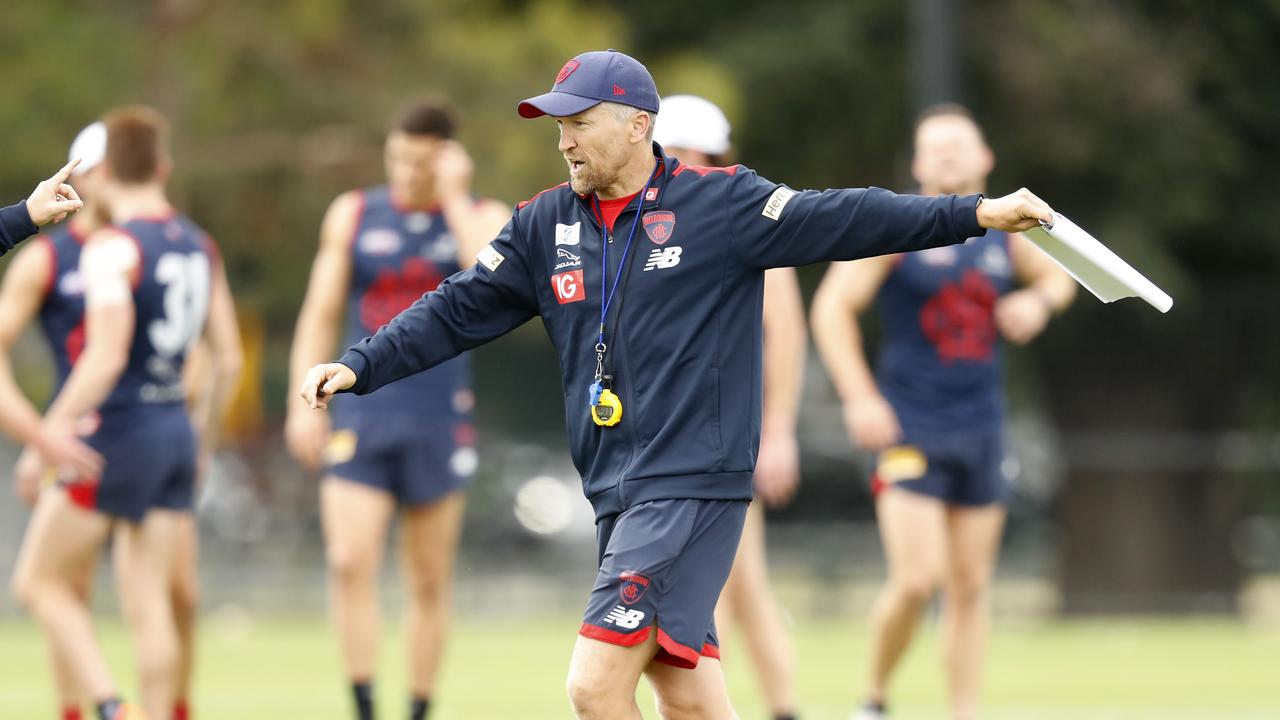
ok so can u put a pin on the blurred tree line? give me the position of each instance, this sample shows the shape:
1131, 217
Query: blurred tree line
1151, 123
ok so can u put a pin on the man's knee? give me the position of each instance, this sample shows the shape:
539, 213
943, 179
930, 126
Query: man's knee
967, 587
348, 565
22, 588
593, 697
683, 704
917, 587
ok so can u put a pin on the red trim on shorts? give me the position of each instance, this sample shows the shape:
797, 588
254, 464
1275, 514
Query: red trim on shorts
710, 651
674, 654
613, 637
84, 493
877, 485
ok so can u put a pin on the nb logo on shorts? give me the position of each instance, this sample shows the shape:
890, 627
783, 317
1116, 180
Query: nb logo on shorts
624, 618
663, 258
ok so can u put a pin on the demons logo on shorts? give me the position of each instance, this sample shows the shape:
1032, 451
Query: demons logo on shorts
633, 587
959, 319
659, 225
566, 71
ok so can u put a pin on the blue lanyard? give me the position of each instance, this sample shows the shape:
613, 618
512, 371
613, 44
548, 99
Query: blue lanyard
606, 295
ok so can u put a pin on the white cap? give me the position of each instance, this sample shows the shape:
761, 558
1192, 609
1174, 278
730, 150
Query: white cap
692, 123
90, 146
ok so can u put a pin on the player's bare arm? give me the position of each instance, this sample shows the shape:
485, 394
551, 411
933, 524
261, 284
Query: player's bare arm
108, 265
778, 466
21, 293
316, 334
1047, 290
473, 222
223, 361
847, 290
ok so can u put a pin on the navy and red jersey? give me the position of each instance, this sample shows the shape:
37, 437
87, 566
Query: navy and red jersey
398, 255
62, 312
940, 361
171, 302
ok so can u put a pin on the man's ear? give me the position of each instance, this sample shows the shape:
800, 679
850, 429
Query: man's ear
640, 126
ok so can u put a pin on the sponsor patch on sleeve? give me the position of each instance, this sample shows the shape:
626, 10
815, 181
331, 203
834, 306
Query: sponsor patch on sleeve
776, 202
490, 258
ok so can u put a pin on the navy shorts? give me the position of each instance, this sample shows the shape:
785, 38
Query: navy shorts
964, 468
416, 462
662, 566
150, 456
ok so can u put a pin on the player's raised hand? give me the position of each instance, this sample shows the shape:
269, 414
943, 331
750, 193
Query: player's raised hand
1015, 212
307, 434
453, 170
54, 199
778, 468
872, 424
322, 381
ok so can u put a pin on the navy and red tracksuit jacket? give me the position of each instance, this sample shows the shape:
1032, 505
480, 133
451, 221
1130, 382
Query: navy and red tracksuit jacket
684, 329
15, 226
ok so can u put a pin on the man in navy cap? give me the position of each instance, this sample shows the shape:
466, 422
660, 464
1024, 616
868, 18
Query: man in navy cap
649, 276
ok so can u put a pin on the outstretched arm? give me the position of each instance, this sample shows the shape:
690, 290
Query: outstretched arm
471, 308
774, 226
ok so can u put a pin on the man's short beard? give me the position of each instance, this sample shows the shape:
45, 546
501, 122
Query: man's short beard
586, 183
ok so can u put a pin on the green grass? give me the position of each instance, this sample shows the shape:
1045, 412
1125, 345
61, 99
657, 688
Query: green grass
276, 669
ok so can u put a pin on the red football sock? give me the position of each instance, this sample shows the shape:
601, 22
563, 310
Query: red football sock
180, 711
71, 712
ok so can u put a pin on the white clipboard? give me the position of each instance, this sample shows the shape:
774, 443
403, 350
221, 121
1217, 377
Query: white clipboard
1094, 265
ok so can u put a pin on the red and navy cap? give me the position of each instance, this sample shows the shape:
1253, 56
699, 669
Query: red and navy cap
593, 78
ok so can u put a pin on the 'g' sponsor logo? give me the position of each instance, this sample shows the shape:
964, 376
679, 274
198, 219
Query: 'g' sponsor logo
568, 287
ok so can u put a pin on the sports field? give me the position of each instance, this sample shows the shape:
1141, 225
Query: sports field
1149, 669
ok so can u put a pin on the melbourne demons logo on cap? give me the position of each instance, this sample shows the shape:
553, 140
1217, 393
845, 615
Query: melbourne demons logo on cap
633, 587
659, 225
566, 71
